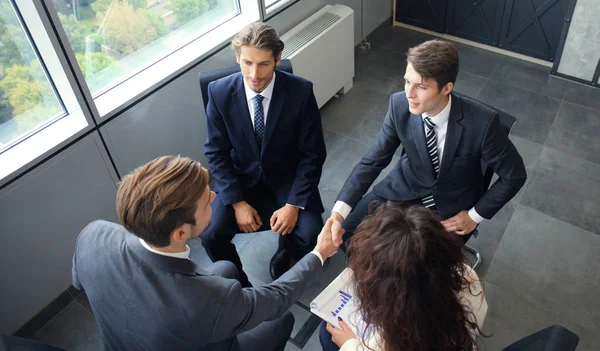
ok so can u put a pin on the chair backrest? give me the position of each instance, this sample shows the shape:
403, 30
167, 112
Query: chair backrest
554, 338
205, 77
507, 121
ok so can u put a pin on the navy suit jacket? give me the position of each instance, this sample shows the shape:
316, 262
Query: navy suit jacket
474, 134
146, 301
293, 149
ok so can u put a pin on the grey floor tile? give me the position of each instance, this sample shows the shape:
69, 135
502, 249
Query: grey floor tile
367, 131
490, 235
469, 84
380, 110
552, 265
529, 76
564, 187
339, 165
301, 315
398, 39
333, 267
333, 141
583, 95
576, 131
328, 196
513, 314
256, 256
534, 112
478, 61
379, 69
530, 152
73, 328
344, 114
83, 301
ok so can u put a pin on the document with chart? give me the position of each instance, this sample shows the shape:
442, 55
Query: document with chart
338, 300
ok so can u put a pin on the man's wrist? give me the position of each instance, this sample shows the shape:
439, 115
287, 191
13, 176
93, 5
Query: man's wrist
294, 208
238, 204
338, 217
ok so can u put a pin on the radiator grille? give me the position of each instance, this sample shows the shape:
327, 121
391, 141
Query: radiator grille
308, 33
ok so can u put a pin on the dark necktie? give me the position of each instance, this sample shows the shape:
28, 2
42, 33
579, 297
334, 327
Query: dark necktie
259, 124
431, 139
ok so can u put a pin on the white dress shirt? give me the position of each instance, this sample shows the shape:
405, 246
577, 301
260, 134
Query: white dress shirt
441, 128
185, 254
267, 94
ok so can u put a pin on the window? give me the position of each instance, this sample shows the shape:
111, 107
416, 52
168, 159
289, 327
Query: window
28, 99
116, 39
274, 6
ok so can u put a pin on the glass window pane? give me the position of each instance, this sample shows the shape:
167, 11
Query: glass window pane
27, 98
115, 39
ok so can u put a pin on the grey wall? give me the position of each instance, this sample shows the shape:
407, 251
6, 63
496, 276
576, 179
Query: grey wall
582, 47
42, 213
40, 217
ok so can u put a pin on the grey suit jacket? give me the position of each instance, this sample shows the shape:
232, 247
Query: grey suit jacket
145, 301
474, 134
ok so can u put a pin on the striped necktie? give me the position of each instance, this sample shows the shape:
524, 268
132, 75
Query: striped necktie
433, 154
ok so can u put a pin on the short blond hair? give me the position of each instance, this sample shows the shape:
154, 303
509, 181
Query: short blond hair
159, 196
258, 35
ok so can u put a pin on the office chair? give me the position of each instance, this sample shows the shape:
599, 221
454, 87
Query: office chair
15, 343
205, 77
506, 122
554, 338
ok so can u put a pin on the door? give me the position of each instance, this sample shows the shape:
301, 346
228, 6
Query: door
427, 14
477, 20
533, 27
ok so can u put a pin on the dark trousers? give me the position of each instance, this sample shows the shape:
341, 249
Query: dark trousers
269, 335
217, 238
367, 205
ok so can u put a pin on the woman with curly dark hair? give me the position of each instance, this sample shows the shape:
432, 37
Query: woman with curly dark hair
414, 289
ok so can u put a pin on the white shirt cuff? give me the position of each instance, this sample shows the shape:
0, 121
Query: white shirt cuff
296, 206
316, 253
475, 216
342, 208
351, 345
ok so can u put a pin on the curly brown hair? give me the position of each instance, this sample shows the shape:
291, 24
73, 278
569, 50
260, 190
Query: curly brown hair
408, 271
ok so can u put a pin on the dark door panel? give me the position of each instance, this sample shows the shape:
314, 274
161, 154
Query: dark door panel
428, 14
533, 27
477, 20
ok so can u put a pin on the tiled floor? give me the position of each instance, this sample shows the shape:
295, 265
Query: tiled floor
540, 251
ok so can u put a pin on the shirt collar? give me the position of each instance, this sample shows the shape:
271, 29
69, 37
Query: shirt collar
185, 254
267, 93
441, 118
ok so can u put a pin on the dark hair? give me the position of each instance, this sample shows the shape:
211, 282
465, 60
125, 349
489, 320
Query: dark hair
435, 59
160, 196
408, 271
259, 35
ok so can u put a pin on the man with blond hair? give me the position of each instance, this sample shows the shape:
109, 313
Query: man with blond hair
265, 149
145, 292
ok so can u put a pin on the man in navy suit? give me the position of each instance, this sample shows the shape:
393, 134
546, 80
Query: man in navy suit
266, 151
445, 138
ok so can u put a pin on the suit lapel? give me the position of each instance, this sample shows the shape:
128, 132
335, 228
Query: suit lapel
275, 107
453, 135
416, 126
241, 104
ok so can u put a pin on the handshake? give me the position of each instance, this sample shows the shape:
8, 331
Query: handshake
330, 238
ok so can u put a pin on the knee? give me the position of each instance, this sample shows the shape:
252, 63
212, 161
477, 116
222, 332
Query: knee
226, 269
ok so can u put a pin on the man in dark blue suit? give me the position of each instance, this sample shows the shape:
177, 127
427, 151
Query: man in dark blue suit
445, 138
266, 151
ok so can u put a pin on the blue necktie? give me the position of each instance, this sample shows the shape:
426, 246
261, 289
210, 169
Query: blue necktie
259, 124
431, 139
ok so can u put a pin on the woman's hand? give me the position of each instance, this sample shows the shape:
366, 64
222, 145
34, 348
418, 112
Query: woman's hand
339, 337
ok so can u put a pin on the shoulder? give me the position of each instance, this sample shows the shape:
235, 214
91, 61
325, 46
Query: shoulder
101, 231
474, 109
293, 82
226, 83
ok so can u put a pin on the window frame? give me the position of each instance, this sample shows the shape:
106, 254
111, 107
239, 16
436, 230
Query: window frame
74, 122
279, 5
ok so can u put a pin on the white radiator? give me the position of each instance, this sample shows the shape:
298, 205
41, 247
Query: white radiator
321, 49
